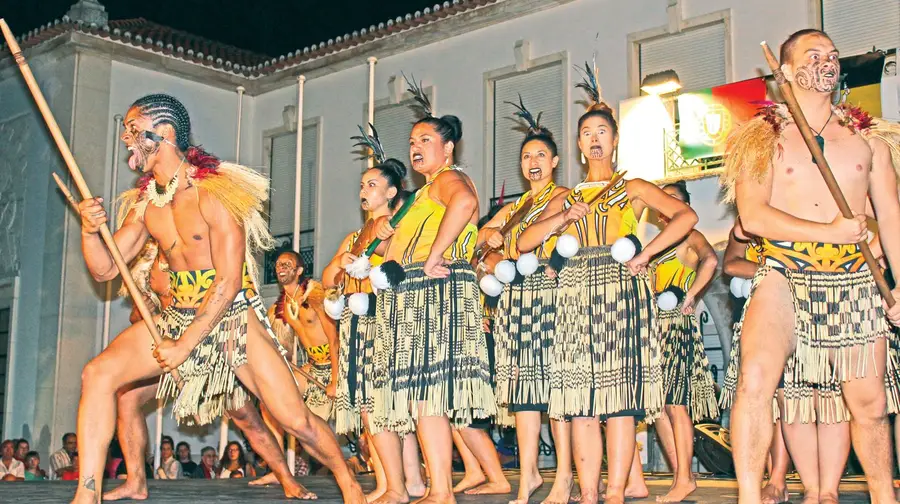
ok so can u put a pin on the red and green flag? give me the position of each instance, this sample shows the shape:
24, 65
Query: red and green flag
707, 117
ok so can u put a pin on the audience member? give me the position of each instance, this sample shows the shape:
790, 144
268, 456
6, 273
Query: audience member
10, 468
207, 467
233, 460
122, 470
188, 466
169, 468
70, 473
33, 471
22, 448
61, 460
236, 474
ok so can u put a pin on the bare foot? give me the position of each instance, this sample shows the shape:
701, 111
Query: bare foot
376, 494
678, 492
828, 499
774, 493
590, 497
127, 490
639, 491
561, 492
268, 479
491, 488
416, 489
354, 494
392, 497
528, 484
85, 496
469, 481
437, 499
294, 490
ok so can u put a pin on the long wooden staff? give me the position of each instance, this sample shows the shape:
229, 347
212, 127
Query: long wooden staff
80, 183
809, 137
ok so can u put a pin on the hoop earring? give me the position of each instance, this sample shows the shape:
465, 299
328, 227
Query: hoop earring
583, 160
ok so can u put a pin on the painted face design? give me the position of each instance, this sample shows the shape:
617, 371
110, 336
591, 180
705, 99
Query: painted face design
819, 73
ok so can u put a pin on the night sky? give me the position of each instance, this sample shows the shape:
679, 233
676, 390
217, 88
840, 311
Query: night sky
271, 27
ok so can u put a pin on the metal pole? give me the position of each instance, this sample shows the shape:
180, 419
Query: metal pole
371, 118
113, 188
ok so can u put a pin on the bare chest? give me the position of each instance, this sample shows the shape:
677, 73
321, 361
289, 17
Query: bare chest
181, 232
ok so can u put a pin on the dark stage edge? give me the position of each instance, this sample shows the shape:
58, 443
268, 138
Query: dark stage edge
228, 491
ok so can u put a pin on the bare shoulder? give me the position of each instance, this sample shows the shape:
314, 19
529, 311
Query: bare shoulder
560, 190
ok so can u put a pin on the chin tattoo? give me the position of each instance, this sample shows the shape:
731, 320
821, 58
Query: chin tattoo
812, 77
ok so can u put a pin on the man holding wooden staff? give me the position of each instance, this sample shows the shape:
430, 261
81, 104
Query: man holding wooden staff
206, 215
814, 316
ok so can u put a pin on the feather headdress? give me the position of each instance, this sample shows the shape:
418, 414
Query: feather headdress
370, 142
591, 81
534, 123
419, 95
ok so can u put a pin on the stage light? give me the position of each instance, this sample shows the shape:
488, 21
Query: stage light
661, 83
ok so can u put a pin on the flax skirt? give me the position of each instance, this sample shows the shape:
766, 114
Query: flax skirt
687, 378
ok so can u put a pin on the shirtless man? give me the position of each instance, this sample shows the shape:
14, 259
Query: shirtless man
132, 426
811, 255
206, 213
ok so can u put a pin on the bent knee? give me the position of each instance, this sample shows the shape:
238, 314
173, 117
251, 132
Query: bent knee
867, 404
95, 374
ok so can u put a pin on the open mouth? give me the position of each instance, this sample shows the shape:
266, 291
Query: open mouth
534, 173
364, 203
418, 158
596, 152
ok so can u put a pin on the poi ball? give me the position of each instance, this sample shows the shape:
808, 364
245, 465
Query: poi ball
745, 288
359, 268
505, 271
359, 303
491, 286
379, 279
623, 250
527, 264
567, 246
737, 287
334, 307
667, 301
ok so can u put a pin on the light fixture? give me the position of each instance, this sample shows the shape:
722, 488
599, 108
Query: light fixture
661, 83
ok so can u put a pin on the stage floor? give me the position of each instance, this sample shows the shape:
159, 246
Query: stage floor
228, 491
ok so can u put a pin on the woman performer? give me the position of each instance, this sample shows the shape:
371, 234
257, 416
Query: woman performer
607, 361
380, 193
689, 267
430, 340
523, 328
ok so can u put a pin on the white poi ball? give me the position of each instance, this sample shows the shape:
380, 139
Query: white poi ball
379, 279
736, 286
667, 301
567, 246
491, 286
334, 307
623, 250
359, 268
505, 271
527, 264
359, 303
745, 288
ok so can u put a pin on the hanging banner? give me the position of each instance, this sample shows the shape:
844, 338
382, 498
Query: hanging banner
861, 81
707, 117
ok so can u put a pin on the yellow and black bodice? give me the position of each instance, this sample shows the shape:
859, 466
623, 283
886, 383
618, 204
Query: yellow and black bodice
190, 287
611, 217
541, 200
812, 256
417, 230
669, 272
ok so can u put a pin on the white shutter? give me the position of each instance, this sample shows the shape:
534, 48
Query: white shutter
856, 26
542, 91
394, 122
697, 56
283, 163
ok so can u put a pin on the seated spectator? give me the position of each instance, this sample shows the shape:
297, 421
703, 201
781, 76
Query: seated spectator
122, 470
236, 474
71, 473
234, 460
206, 469
260, 466
61, 460
114, 458
188, 466
33, 471
10, 468
22, 448
169, 468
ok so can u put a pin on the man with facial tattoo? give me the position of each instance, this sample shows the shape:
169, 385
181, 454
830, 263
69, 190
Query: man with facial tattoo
207, 216
814, 316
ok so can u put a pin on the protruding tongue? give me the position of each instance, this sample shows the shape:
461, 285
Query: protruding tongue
132, 161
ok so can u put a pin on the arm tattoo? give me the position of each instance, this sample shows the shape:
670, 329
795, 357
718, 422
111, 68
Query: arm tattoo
217, 300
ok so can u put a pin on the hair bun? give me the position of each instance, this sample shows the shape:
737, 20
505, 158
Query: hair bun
396, 166
601, 107
455, 127
541, 131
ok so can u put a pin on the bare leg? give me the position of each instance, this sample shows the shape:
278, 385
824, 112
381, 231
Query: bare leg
387, 444
265, 374
683, 427
869, 428
587, 448
802, 443
412, 466
766, 342
834, 448
437, 444
620, 445
276, 430
126, 360
528, 431
131, 427
775, 491
482, 446
565, 479
663, 428
474, 476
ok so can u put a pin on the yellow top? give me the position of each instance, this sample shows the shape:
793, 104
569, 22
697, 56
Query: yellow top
188, 288
417, 230
540, 203
354, 285
669, 271
812, 256
319, 354
611, 216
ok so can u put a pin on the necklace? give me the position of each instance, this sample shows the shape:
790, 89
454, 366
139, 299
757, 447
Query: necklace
164, 197
292, 307
819, 139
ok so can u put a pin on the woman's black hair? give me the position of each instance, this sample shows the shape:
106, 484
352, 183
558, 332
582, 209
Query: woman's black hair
449, 127
394, 172
226, 458
544, 136
681, 187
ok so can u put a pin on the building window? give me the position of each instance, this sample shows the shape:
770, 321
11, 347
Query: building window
394, 122
858, 26
697, 56
282, 163
542, 90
